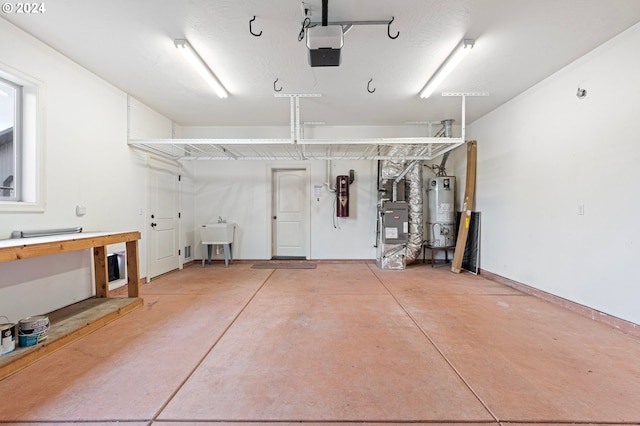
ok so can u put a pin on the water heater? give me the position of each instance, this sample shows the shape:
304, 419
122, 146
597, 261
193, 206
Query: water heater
441, 218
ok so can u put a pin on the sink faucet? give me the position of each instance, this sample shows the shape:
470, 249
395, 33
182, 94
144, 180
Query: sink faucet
220, 219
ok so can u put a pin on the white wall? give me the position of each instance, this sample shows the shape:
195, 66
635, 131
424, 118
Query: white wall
546, 152
86, 161
146, 123
348, 238
187, 217
239, 191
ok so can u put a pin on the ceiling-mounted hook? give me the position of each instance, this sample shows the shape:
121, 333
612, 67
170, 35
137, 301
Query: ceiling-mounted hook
274, 86
389, 30
369, 88
251, 29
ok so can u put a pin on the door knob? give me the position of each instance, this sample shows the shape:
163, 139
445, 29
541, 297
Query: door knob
275, 217
153, 225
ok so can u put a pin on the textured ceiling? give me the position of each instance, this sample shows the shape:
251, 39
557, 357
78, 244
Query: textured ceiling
519, 43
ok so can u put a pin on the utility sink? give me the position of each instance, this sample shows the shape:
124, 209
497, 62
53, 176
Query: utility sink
217, 233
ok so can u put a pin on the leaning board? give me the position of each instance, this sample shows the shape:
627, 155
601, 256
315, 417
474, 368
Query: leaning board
467, 207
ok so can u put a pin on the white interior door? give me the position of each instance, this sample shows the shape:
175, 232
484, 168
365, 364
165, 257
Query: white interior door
290, 214
163, 193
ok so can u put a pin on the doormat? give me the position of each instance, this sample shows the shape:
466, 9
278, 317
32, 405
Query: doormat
276, 265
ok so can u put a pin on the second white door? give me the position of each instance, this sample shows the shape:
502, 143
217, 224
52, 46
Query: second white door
290, 214
163, 219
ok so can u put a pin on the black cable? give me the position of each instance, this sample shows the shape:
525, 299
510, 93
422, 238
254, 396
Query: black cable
305, 24
334, 212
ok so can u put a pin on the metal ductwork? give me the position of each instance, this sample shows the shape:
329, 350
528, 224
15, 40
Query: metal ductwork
398, 247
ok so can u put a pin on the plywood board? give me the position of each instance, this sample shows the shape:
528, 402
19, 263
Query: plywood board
467, 207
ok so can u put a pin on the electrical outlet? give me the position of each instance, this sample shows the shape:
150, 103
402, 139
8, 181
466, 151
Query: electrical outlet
580, 209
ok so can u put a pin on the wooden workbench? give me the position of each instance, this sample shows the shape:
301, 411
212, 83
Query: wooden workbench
72, 322
27, 248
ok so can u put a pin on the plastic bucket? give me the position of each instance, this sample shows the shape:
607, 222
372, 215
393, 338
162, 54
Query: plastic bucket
33, 330
7, 338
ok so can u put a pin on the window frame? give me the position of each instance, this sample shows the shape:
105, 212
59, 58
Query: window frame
17, 135
28, 143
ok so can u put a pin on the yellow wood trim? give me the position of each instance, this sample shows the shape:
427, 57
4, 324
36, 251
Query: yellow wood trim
133, 271
101, 271
28, 250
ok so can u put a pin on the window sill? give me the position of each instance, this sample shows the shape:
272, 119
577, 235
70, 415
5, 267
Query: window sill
20, 207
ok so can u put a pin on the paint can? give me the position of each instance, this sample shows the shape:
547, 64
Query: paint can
33, 330
7, 337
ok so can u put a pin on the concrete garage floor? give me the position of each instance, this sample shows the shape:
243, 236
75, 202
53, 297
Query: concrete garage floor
343, 343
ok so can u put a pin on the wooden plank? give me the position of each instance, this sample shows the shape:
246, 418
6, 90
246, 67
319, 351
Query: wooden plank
467, 206
26, 248
133, 270
101, 271
68, 325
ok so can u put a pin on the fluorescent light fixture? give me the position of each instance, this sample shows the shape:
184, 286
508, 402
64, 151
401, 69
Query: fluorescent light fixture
199, 65
447, 66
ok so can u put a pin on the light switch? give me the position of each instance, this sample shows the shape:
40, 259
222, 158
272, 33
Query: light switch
81, 210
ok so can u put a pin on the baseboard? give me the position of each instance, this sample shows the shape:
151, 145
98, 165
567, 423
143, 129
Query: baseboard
617, 323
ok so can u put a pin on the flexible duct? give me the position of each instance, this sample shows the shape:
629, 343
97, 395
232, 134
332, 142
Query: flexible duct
413, 191
413, 181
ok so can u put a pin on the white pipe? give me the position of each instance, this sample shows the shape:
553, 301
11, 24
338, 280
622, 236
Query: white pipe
399, 178
328, 182
297, 115
464, 118
292, 118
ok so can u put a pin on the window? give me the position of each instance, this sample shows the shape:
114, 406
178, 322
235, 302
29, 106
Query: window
10, 96
20, 153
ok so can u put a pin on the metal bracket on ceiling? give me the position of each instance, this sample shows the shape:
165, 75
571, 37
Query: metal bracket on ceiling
346, 25
307, 22
464, 95
475, 94
296, 129
297, 95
